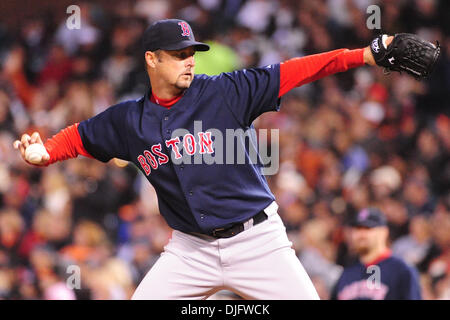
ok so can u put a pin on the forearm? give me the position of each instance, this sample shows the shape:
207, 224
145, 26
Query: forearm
66, 144
299, 71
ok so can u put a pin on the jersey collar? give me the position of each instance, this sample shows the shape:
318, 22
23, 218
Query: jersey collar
179, 106
166, 103
386, 254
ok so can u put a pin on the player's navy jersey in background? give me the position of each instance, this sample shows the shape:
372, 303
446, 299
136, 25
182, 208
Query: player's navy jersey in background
398, 281
193, 197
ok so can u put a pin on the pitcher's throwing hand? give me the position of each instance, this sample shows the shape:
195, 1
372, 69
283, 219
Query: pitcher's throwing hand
28, 142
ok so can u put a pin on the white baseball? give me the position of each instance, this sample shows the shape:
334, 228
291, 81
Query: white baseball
35, 152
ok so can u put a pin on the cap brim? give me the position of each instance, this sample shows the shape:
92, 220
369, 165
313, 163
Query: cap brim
199, 46
367, 224
361, 225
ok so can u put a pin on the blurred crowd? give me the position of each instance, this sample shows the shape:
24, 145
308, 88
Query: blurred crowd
81, 229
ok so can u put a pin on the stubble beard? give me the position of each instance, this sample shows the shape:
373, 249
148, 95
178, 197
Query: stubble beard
362, 251
182, 84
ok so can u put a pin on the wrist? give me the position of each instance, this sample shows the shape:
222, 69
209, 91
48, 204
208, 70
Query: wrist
368, 57
383, 46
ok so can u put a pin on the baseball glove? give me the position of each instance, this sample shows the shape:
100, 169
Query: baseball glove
407, 52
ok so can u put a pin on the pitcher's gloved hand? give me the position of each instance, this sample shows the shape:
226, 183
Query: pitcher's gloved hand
406, 53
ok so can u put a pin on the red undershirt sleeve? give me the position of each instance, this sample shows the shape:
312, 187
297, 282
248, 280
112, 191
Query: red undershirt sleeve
66, 144
299, 71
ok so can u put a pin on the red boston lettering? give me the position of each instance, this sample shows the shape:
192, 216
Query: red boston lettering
205, 140
162, 158
144, 164
151, 158
174, 144
189, 144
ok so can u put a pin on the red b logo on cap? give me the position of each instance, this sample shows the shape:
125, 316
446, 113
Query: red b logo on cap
363, 214
185, 28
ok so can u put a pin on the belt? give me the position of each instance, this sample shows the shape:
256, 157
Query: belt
239, 227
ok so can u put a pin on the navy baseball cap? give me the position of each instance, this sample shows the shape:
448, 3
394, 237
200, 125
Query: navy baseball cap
369, 218
170, 34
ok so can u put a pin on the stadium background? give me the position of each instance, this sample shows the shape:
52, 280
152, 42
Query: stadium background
350, 140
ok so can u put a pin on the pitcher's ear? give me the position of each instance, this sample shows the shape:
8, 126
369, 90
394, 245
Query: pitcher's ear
150, 59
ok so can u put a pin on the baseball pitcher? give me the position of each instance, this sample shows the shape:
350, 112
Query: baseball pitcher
227, 233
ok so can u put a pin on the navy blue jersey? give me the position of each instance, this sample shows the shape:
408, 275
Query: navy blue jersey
398, 281
195, 197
